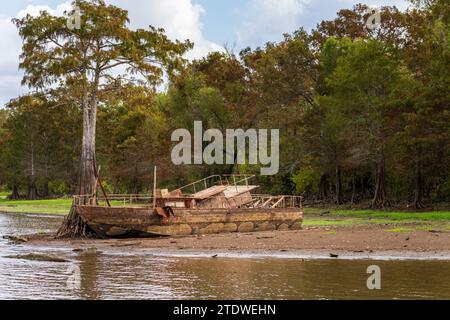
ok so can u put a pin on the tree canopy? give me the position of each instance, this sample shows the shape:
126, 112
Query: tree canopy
363, 113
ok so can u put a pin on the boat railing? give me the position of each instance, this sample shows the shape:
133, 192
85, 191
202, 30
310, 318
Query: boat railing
243, 200
279, 201
201, 184
215, 180
116, 199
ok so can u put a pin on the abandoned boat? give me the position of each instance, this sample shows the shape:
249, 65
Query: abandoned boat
216, 204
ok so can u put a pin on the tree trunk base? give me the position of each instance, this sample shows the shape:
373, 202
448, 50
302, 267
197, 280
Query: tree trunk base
380, 205
73, 227
45, 192
32, 193
14, 194
418, 205
380, 201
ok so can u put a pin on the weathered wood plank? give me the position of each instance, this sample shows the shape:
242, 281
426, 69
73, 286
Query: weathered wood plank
120, 221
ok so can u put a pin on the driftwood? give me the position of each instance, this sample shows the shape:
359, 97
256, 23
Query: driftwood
15, 239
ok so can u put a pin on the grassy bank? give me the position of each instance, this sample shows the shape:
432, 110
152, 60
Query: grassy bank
379, 214
52, 207
398, 221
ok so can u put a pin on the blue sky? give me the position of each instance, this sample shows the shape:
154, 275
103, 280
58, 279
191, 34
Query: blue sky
210, 24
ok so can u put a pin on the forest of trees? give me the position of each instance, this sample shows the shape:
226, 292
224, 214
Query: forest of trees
363, 113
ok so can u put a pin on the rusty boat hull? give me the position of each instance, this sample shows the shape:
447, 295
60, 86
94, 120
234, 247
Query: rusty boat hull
117, 222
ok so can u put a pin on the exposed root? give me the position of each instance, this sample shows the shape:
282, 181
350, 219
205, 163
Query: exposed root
73, 227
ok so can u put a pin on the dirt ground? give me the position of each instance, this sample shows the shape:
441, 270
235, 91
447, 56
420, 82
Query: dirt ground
354, 241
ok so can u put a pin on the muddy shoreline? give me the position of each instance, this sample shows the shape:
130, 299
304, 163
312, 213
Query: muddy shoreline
363, 242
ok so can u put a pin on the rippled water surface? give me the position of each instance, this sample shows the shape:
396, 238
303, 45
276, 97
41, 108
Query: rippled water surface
128, 275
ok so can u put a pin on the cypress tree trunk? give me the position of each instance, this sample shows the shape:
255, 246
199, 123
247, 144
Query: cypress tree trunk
338, 185
379, 199
323, 187
135, 182
15, 192
418, 190
32, 190
352, 201
45, 190
73, 226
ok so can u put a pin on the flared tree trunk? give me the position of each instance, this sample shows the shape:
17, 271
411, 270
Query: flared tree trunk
135, 182
418, 190
73, 226
379, 199
352, 200
15, 192
323, 187
32, 190
338, 183
45, 190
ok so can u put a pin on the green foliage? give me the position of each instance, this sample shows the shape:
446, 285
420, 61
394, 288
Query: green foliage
363, 114
306, 181
59, 187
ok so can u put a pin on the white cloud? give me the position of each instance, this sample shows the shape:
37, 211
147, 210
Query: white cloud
10, 47
267, 20
400, 4
34, 10
179, 18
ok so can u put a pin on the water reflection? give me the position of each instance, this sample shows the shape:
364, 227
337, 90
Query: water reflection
116, 275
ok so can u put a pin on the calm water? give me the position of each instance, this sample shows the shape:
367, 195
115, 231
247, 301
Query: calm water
116, 275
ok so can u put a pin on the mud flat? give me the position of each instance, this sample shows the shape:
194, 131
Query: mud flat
373, 242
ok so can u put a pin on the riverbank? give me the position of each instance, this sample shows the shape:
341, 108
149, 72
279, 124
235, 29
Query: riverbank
373, 241
336, 231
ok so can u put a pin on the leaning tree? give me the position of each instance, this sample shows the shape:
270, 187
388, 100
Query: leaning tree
88, 53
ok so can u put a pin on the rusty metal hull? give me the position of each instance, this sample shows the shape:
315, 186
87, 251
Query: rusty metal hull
143, 222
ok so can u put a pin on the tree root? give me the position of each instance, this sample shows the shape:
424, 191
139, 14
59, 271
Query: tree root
73, 227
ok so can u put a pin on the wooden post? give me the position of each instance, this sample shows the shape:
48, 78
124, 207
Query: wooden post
154, 188
93, 200
103, 189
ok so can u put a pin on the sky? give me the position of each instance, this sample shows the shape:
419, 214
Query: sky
211, 24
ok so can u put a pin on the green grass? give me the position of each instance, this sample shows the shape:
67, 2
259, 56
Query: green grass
399, 230
3, 195
398, 221
322, 222
56, 206
429, 227
53, 207
389, 215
